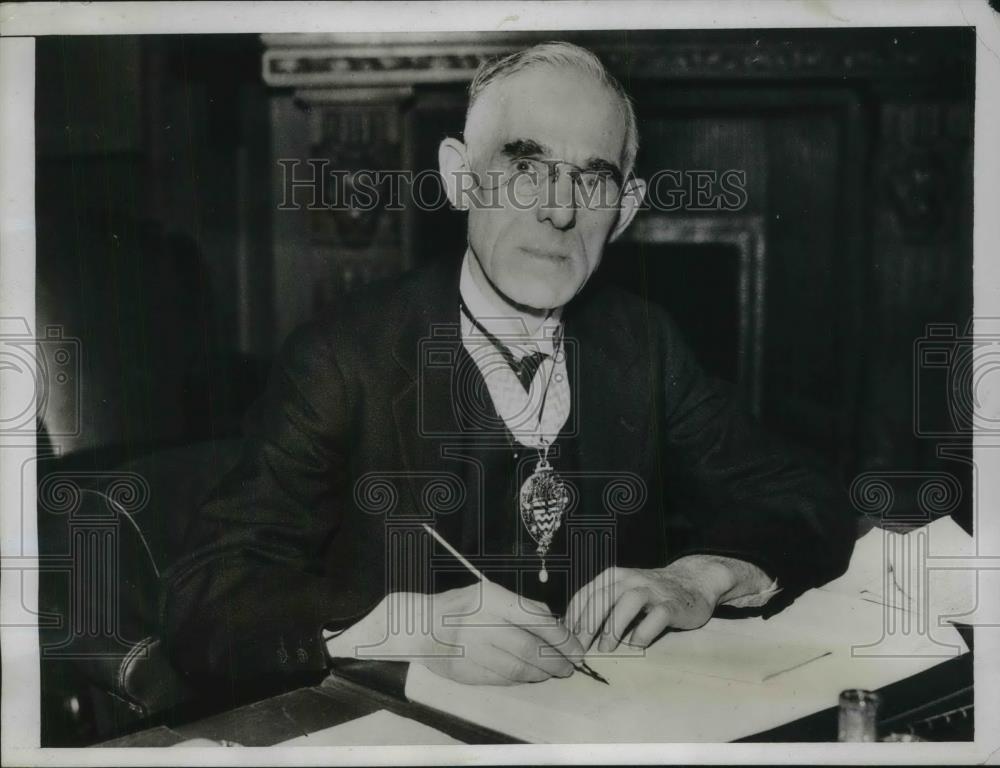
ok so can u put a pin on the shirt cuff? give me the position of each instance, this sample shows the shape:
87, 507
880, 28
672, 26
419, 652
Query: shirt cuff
755, 600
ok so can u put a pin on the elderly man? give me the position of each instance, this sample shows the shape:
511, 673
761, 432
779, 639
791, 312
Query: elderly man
525, 392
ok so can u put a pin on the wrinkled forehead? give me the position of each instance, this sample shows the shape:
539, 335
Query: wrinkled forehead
568, 111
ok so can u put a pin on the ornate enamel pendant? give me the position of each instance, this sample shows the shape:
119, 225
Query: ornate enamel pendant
543, 501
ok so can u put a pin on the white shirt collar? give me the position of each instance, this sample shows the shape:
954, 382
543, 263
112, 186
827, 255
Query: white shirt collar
511, 327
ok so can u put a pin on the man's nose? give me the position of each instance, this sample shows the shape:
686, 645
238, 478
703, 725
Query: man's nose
557, 202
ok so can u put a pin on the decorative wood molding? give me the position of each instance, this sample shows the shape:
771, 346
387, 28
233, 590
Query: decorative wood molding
340, 96
746, 233
923, 147
407, 59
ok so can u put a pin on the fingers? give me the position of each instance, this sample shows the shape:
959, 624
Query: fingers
578, 604
553, 633
529, 650
504, 655
591, 604
657, 620
597, 610
625, 609
523, 628
484, 676
594, 613
511, 668
467, 672
534, 617
511, 656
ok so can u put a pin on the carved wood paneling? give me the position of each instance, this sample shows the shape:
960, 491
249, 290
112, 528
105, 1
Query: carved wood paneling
361, 60
920, 272
746, 234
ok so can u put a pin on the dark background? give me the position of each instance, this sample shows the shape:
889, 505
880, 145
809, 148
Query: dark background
161, 248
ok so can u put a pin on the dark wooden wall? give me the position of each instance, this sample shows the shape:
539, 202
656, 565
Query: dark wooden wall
152, 198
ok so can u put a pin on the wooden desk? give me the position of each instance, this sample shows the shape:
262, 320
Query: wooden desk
938, 701
271, 721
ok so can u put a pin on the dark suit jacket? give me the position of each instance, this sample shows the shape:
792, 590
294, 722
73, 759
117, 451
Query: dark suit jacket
350, 446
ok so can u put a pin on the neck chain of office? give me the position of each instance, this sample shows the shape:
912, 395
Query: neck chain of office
543, 497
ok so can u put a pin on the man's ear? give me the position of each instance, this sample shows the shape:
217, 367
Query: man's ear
453, 164
635, 191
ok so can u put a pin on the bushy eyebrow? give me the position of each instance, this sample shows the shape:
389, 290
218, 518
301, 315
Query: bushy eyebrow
524, 148
531, 148
600, 165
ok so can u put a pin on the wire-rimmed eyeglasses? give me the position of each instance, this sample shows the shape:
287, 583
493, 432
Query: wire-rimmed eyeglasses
524, 178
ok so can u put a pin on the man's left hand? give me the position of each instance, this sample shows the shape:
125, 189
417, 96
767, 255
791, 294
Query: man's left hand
683, 595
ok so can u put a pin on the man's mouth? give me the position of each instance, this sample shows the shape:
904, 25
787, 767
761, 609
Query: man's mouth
546, 254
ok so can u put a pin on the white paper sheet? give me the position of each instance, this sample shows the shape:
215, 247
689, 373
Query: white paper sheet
925, 573
649, 701
732, 678
723, 650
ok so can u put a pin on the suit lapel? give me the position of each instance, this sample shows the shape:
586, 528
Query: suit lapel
426, 348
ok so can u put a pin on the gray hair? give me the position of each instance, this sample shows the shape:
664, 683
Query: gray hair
559, 54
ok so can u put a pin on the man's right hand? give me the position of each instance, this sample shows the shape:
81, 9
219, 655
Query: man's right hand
479, 634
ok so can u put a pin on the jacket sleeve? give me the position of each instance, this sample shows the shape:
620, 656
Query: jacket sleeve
246, 605
747, 494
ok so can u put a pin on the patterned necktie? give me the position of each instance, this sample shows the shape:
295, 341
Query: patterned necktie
525, 368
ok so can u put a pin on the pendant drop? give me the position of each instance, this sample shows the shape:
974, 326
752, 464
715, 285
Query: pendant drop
543, 502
